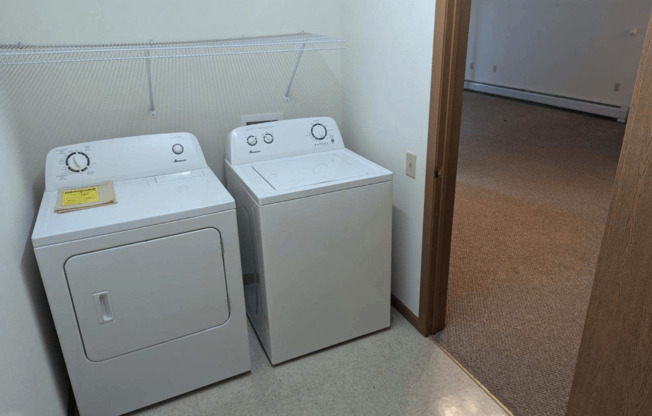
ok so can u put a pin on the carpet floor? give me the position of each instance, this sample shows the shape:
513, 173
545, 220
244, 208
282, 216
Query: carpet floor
533, 192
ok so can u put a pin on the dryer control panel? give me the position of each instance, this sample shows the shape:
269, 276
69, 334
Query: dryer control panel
121, 159
284, 138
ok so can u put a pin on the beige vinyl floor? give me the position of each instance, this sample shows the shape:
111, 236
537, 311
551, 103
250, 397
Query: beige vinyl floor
392, 372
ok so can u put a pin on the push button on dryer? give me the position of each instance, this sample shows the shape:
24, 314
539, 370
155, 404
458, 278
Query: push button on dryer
177, 149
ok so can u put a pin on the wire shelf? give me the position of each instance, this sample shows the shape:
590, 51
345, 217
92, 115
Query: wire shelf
19, 54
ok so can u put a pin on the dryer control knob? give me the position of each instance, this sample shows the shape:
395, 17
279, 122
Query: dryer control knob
252, 140
318, 131
77, 162
268, 138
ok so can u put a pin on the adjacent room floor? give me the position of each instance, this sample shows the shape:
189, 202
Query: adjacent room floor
533, 191
392, 372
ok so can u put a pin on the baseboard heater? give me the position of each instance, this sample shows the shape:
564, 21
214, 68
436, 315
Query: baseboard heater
606, 110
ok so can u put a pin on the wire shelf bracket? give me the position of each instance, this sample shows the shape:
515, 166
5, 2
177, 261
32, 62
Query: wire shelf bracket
148, 64
294, 72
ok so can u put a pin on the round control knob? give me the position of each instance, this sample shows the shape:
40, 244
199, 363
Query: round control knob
318, 131
77, 162
252, 140
177, 149
268, 138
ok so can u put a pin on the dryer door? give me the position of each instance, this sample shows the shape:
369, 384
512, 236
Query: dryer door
135, 296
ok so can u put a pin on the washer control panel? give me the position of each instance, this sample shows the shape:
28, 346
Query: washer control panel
319, 131
121, 159
282, 138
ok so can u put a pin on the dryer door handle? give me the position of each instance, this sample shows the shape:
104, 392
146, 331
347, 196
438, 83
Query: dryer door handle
103, 306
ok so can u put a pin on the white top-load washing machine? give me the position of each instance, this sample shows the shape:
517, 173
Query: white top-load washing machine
146, 294
315, 223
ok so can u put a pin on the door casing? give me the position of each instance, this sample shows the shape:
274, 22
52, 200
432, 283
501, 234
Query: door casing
446, 90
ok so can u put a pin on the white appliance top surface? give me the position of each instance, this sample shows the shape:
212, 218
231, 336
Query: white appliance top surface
296, 158
296, 172
303, 176
153, 184
141, 202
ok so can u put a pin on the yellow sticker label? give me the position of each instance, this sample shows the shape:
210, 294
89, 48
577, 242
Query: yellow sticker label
80, 196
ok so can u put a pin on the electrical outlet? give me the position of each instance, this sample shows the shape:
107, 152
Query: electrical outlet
411, 165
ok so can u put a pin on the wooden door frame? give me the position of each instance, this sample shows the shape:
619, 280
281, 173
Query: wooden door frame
446, 93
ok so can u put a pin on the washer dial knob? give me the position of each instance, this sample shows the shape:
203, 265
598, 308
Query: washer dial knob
318, 131
77, 162
268, 138
252, 140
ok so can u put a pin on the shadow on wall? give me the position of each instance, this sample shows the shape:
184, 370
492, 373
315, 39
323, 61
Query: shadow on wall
400, 222
33, 377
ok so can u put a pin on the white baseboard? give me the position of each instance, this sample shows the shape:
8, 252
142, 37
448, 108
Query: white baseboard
606, 110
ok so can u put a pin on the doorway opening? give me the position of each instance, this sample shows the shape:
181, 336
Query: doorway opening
532, 196
581, 214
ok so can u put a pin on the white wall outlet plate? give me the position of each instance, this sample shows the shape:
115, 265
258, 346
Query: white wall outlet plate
246, 120
411, 165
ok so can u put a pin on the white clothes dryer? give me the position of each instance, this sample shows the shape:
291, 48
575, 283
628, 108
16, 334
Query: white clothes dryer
315, 223
146, 294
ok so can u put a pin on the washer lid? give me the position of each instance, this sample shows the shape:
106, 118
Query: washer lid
295, 177
314, 169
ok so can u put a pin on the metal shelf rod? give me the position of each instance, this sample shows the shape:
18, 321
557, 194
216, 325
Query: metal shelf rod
197, 55
81, 49
23, 50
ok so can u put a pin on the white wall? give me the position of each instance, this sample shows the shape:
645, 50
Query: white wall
386, 71
66, 103
32, 376
571, 48
126, 21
